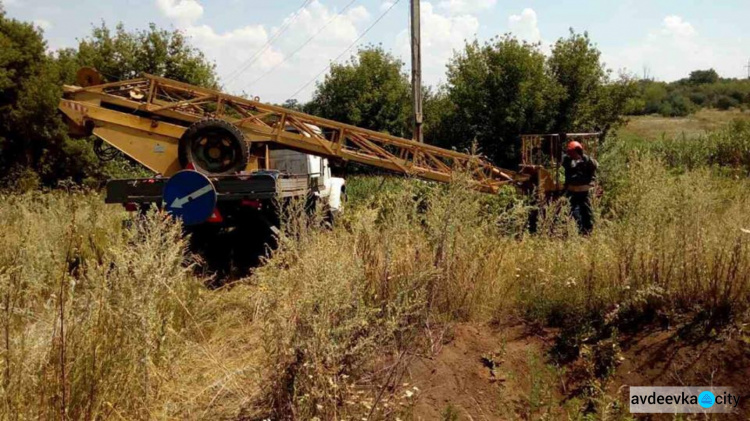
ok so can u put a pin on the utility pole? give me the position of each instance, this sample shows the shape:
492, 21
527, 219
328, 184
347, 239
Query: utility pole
748, 68
416, 69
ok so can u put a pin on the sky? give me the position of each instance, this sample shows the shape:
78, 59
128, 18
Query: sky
279, 49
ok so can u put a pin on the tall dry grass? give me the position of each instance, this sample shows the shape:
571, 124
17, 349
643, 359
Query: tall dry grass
406, 259
90, 309
101, 316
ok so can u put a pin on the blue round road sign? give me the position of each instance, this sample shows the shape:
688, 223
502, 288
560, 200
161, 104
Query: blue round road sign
191, 196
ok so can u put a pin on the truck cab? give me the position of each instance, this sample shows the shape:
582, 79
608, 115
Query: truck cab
324, 186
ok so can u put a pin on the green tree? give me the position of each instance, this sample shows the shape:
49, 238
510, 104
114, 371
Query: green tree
293, 104
614, 101
575, 65
370, 91
125, 55
34, 146
702, 77
497, 91
30, 131
703, 88
440, 125
592, 99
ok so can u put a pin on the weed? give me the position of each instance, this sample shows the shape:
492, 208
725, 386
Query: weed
450, 413
101, 319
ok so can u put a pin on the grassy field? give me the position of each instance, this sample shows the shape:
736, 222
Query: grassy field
702, 122
103, 316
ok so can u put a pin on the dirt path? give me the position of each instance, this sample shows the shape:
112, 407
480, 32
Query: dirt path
504, 373
460, 383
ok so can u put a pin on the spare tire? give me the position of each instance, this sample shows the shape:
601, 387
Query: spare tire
213, 146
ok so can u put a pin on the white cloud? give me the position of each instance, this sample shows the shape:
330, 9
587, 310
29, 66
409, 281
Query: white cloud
676, 27
442, 34
358, 14
386, 5
232, 48
183, 11
457, 7
525, 26
42, 23
674, 50
243, 56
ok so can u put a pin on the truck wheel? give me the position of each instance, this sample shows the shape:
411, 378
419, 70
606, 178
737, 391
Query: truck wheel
213, 146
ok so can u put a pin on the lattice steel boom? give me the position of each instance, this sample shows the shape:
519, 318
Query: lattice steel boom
146, 117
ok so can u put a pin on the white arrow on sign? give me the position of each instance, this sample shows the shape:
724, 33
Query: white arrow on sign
180, 201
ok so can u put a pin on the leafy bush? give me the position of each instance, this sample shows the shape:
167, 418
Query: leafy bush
698, 98
685, 96
726, 102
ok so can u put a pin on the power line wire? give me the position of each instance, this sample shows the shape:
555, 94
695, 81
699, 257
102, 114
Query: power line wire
231, 77
303, 45
362, 35
249, 62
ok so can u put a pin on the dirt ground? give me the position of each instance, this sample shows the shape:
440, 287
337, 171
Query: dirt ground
504, 373
460, 383
664, 358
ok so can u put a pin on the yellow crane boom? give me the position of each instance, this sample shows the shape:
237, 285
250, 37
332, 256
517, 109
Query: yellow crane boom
147, 117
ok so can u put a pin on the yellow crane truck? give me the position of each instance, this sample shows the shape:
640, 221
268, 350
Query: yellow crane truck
217, 157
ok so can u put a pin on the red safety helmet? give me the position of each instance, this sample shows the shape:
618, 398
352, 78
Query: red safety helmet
573, 146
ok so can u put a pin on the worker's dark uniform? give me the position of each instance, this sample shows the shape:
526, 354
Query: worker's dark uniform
580, 176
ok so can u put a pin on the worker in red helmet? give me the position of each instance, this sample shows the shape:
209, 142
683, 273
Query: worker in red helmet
580, 176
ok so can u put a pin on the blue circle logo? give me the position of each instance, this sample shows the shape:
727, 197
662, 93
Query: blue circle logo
706, 399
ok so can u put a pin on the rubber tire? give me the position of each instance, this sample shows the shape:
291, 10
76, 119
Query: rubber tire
194, 133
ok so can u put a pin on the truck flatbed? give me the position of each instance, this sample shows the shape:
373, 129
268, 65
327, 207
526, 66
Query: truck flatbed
260, 185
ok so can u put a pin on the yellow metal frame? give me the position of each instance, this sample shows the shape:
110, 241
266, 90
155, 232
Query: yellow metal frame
146, 117
541, 156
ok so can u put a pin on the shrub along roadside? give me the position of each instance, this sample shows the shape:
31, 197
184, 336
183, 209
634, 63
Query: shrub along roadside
702, 89
727, 150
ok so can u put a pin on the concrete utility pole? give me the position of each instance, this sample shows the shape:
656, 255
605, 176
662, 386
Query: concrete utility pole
416, 69
748, 68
